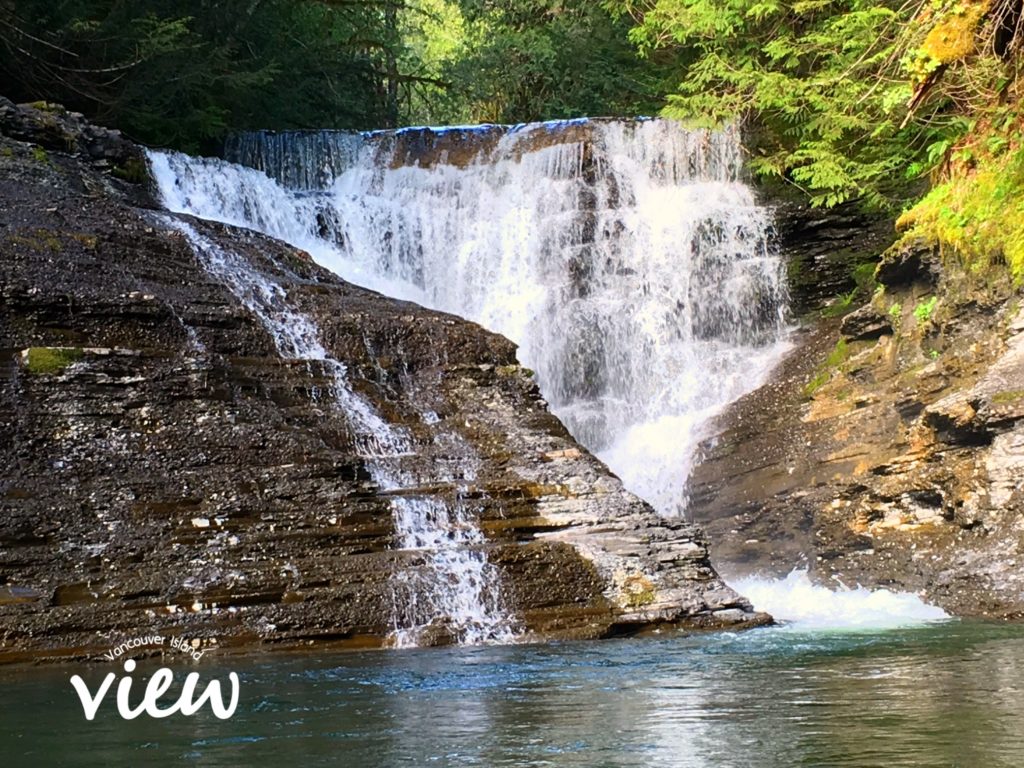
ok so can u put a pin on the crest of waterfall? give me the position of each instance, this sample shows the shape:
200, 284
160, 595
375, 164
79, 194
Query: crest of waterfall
321, 155
452, 584
626, 258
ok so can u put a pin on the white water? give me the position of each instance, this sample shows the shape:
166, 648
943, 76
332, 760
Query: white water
634, 272
806, 606
632, 268
455, 585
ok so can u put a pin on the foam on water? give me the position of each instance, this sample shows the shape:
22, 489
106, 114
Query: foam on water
807, 606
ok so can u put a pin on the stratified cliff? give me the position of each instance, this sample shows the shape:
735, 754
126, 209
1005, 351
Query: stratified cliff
166, 469
888, 448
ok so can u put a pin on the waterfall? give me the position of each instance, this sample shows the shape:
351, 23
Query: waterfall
457, 591
311, 163
626, 258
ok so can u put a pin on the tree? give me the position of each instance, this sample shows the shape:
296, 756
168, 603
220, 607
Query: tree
846, 98
540, 59
184, 76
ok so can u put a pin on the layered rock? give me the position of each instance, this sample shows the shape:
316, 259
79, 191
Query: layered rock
886, 451
168, 471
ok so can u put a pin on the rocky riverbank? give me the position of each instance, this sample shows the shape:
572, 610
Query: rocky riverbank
168, 472
888, 449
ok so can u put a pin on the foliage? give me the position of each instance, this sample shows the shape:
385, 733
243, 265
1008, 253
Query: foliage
976, 213
924, 309
184, 73
545, 59
850, 98
841, 304
434, 40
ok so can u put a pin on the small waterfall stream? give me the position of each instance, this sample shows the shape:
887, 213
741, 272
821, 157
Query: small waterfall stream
626, 258
457, 585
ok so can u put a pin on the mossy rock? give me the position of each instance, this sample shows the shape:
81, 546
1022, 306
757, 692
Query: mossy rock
49, 360
1005, 398
835, 363
133, 171
637, 591
46, 106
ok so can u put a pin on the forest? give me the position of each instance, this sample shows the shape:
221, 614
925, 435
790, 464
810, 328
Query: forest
845, 100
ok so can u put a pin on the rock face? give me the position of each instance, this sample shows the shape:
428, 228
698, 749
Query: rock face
823, 248
887, 450
167, 471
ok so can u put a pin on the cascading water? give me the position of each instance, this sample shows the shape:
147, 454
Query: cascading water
624, 257
322, 156
456, 586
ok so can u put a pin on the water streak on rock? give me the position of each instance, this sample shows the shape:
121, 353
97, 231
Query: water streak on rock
455, 591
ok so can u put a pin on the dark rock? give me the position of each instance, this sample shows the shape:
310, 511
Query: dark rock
864, 324
166, 471
823, 247
52, 127
908, 263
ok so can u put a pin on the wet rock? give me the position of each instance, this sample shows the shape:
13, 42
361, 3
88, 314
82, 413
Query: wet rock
823, 247
901, 467
907, 264
864, 324
166, 471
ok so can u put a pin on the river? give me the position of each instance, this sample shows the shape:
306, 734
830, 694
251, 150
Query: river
949, 693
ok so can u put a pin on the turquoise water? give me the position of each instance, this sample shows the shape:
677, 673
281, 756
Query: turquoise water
948, 694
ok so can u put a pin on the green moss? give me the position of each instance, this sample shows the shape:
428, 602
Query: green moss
951, 39
839, 355
638, 591
924, 309
820, 379
863, 276
639, 599
42, 240
89, 242
39, 240
1005, 398
977, 215
513, 370
841, 305
40, 156
45, 360
45, 106
132, 170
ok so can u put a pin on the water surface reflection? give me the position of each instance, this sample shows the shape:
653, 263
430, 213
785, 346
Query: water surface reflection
945, 695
